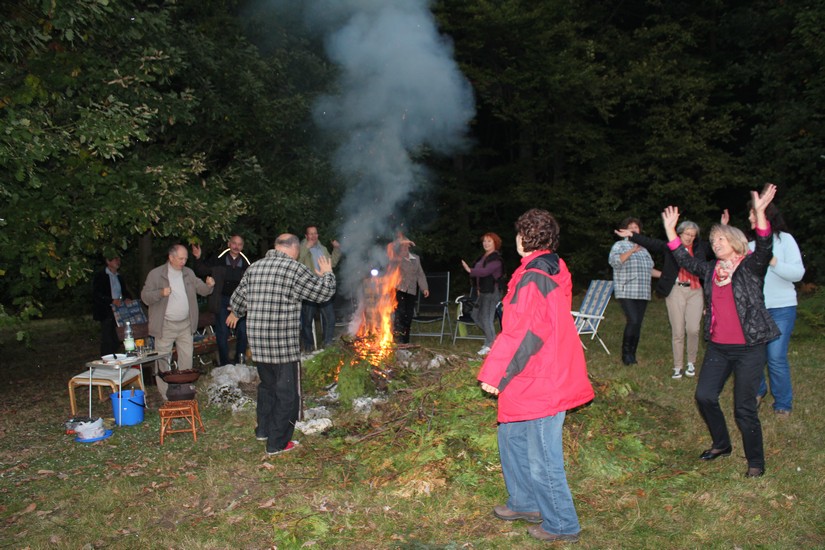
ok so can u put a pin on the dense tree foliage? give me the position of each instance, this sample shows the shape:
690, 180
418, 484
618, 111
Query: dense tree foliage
601, 110
125, 121
128, 120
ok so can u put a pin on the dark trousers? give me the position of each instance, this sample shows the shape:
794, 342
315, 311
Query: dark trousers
308, 310
278, 403
404, 312
745, 363
634, 312
222, 334
109, 342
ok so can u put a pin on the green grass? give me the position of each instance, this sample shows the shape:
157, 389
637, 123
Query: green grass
421, 471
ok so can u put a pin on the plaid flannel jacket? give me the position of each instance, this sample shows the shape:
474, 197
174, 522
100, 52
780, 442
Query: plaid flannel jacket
269, 296
630, 279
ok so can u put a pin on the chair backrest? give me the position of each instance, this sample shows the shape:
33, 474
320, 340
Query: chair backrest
434, 304
132, 312
595, 302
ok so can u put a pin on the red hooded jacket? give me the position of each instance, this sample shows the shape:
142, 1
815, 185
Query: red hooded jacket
537, 362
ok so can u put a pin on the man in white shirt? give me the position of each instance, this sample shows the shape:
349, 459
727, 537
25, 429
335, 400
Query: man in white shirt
169, 291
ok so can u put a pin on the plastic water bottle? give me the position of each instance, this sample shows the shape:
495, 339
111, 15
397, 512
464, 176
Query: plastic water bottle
128, 338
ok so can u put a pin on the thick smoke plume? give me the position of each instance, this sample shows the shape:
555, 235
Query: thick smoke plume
399, 94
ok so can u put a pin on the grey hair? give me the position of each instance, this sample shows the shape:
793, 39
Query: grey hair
287, 241
685, 225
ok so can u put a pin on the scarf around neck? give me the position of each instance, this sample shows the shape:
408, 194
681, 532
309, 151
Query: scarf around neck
725, 269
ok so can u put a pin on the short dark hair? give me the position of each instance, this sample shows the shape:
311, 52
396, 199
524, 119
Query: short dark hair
539, 230
630, 219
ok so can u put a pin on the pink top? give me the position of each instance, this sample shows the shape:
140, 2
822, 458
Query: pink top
725, 327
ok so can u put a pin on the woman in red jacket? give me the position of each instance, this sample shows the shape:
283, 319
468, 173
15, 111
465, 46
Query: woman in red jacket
537, 369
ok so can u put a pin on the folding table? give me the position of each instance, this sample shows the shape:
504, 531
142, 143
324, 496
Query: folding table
112, 374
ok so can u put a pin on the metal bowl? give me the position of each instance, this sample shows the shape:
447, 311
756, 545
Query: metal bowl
180, 376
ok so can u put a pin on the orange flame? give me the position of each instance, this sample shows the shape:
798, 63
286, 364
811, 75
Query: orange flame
374, 336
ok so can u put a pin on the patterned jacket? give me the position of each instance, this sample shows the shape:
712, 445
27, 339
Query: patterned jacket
269, 296
412, 275
631, 279
537, 362
757, 324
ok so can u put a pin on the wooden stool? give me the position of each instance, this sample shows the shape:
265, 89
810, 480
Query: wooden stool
188, 410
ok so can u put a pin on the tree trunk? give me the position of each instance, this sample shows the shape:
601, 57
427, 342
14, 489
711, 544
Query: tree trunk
145, 256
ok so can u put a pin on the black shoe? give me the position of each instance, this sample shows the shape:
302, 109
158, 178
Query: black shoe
629, 359
755, 472
713, 454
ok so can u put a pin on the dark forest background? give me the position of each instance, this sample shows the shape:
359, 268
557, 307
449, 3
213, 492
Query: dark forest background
126, 126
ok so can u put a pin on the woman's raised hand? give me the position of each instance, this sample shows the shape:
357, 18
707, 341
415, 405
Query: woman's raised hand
761, 200
623, 233
725, 218
670, 216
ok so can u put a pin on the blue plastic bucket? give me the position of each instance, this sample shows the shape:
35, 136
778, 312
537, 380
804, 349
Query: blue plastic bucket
128, 407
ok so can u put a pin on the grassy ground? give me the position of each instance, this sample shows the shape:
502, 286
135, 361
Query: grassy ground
420, 472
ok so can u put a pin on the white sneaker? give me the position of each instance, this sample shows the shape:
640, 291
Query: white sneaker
677, 373
690, 370
484, 351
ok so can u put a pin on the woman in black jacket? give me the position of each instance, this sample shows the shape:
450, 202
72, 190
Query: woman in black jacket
682, 292
737, 327
486, 274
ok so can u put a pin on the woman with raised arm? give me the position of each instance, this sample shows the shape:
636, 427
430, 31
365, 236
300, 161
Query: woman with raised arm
682, 292
737, 327
632, 270
486, 274
786, 268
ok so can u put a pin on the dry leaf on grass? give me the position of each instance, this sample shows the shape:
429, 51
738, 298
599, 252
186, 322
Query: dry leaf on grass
269, 503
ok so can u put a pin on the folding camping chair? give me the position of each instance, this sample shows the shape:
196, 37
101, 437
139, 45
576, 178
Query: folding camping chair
434, 309
464, 322
591, 311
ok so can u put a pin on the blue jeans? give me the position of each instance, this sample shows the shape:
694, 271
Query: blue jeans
222, 334
308, 310
779, 371
532, 460
278, 403
746, 363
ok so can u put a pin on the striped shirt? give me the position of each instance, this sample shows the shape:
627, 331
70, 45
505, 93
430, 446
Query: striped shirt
269, 296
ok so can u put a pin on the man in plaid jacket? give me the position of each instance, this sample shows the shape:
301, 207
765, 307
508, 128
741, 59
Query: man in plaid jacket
269, 296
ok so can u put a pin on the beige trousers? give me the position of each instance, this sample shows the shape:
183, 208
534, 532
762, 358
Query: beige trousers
684, 309
179, 334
